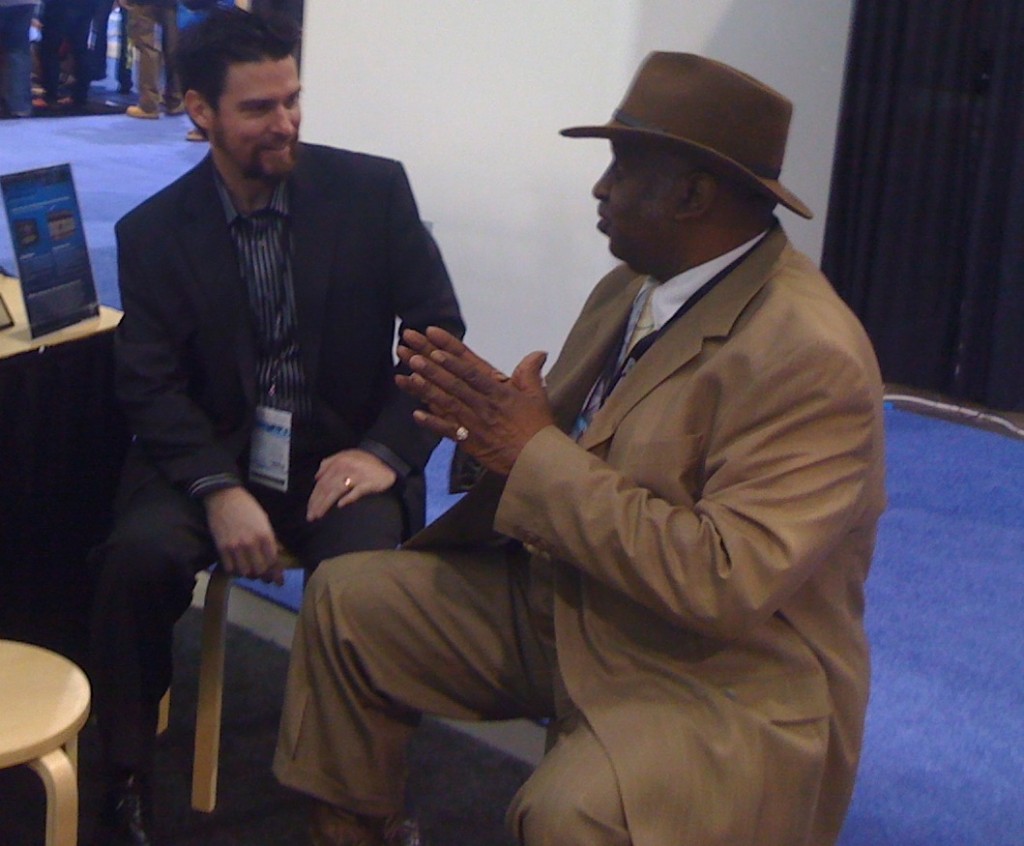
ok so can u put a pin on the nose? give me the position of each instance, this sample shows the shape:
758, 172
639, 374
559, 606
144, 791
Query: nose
285, 119
600, 189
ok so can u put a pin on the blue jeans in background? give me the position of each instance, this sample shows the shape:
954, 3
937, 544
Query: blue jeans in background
16, 76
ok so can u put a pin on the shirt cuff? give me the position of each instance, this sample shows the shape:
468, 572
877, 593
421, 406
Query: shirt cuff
401, 468
210, 484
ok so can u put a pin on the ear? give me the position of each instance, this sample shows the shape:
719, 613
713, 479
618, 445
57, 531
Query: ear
698, 191
199, 109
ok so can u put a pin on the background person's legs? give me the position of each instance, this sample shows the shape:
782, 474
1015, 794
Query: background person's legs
142, 21
16, 84
77, 25
49, 48
98, 51
172, 97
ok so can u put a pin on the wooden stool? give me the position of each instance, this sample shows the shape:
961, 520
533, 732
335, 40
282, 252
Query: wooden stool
44, 702
210, 697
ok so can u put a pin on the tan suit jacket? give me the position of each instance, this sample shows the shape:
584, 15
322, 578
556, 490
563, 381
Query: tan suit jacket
710, 534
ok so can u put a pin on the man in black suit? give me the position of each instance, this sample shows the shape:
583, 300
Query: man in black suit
255, 366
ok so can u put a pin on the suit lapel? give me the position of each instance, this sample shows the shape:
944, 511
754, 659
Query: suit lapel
593, 339
712, 317
206, 243
312, 222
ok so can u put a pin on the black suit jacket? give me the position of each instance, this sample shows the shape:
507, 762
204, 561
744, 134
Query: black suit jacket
186, 351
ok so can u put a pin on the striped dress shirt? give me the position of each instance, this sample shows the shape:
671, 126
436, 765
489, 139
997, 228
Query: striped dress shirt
262, 245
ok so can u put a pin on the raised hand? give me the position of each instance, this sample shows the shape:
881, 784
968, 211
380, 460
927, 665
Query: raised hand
491, 415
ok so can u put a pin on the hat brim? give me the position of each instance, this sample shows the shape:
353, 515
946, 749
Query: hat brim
770, 187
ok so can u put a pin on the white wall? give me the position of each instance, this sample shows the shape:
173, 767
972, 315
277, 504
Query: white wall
470, 96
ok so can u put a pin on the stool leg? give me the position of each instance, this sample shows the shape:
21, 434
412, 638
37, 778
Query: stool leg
58, 776
71, 750
211, 692
164, 714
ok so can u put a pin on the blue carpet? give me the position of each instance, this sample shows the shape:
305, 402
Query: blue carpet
944, 752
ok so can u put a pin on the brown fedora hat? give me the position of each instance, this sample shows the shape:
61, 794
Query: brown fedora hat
737, 124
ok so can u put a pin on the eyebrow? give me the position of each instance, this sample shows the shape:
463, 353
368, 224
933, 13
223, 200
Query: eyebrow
264, 102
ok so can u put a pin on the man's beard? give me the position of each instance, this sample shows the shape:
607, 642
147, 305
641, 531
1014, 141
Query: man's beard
253, 168
256, 170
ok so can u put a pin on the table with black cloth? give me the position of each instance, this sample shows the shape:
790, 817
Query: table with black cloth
63, 441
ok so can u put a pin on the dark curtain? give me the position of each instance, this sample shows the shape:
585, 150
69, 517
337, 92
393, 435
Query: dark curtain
925, 233
64, 440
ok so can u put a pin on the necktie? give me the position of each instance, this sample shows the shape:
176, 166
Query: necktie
643, 326
641, 337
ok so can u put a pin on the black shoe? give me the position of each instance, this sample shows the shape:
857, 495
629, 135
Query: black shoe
334, 826
403, 831
126, 818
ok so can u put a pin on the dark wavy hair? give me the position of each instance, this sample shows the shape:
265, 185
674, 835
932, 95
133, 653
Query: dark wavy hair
229, 36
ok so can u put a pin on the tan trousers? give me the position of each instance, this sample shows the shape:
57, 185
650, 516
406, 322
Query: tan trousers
386, 636
154, 59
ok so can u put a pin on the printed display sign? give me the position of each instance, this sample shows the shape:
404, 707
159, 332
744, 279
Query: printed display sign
49, 247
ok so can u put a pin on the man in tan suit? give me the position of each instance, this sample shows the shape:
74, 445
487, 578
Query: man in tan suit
667, 552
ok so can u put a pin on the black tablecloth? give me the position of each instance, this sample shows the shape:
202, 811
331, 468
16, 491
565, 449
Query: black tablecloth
63, 441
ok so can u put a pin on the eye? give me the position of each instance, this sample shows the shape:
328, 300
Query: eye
256, 107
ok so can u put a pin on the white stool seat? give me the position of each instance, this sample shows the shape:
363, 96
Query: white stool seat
44, 702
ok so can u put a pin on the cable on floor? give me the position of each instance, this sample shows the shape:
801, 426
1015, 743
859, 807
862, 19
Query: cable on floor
968, 414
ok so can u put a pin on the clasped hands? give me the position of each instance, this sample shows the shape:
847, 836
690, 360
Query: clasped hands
492, 416
246, 543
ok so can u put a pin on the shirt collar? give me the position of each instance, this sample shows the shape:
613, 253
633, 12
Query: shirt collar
669, 296
278, 203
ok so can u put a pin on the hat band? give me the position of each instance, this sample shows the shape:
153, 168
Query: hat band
635, 123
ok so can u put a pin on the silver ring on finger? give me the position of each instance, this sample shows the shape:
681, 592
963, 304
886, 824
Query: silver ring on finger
461, 434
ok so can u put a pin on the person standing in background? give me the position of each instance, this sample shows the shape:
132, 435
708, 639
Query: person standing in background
16, 56
155, 60
98, 49
71, 20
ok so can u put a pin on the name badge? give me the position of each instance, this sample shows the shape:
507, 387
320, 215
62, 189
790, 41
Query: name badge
271, 448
